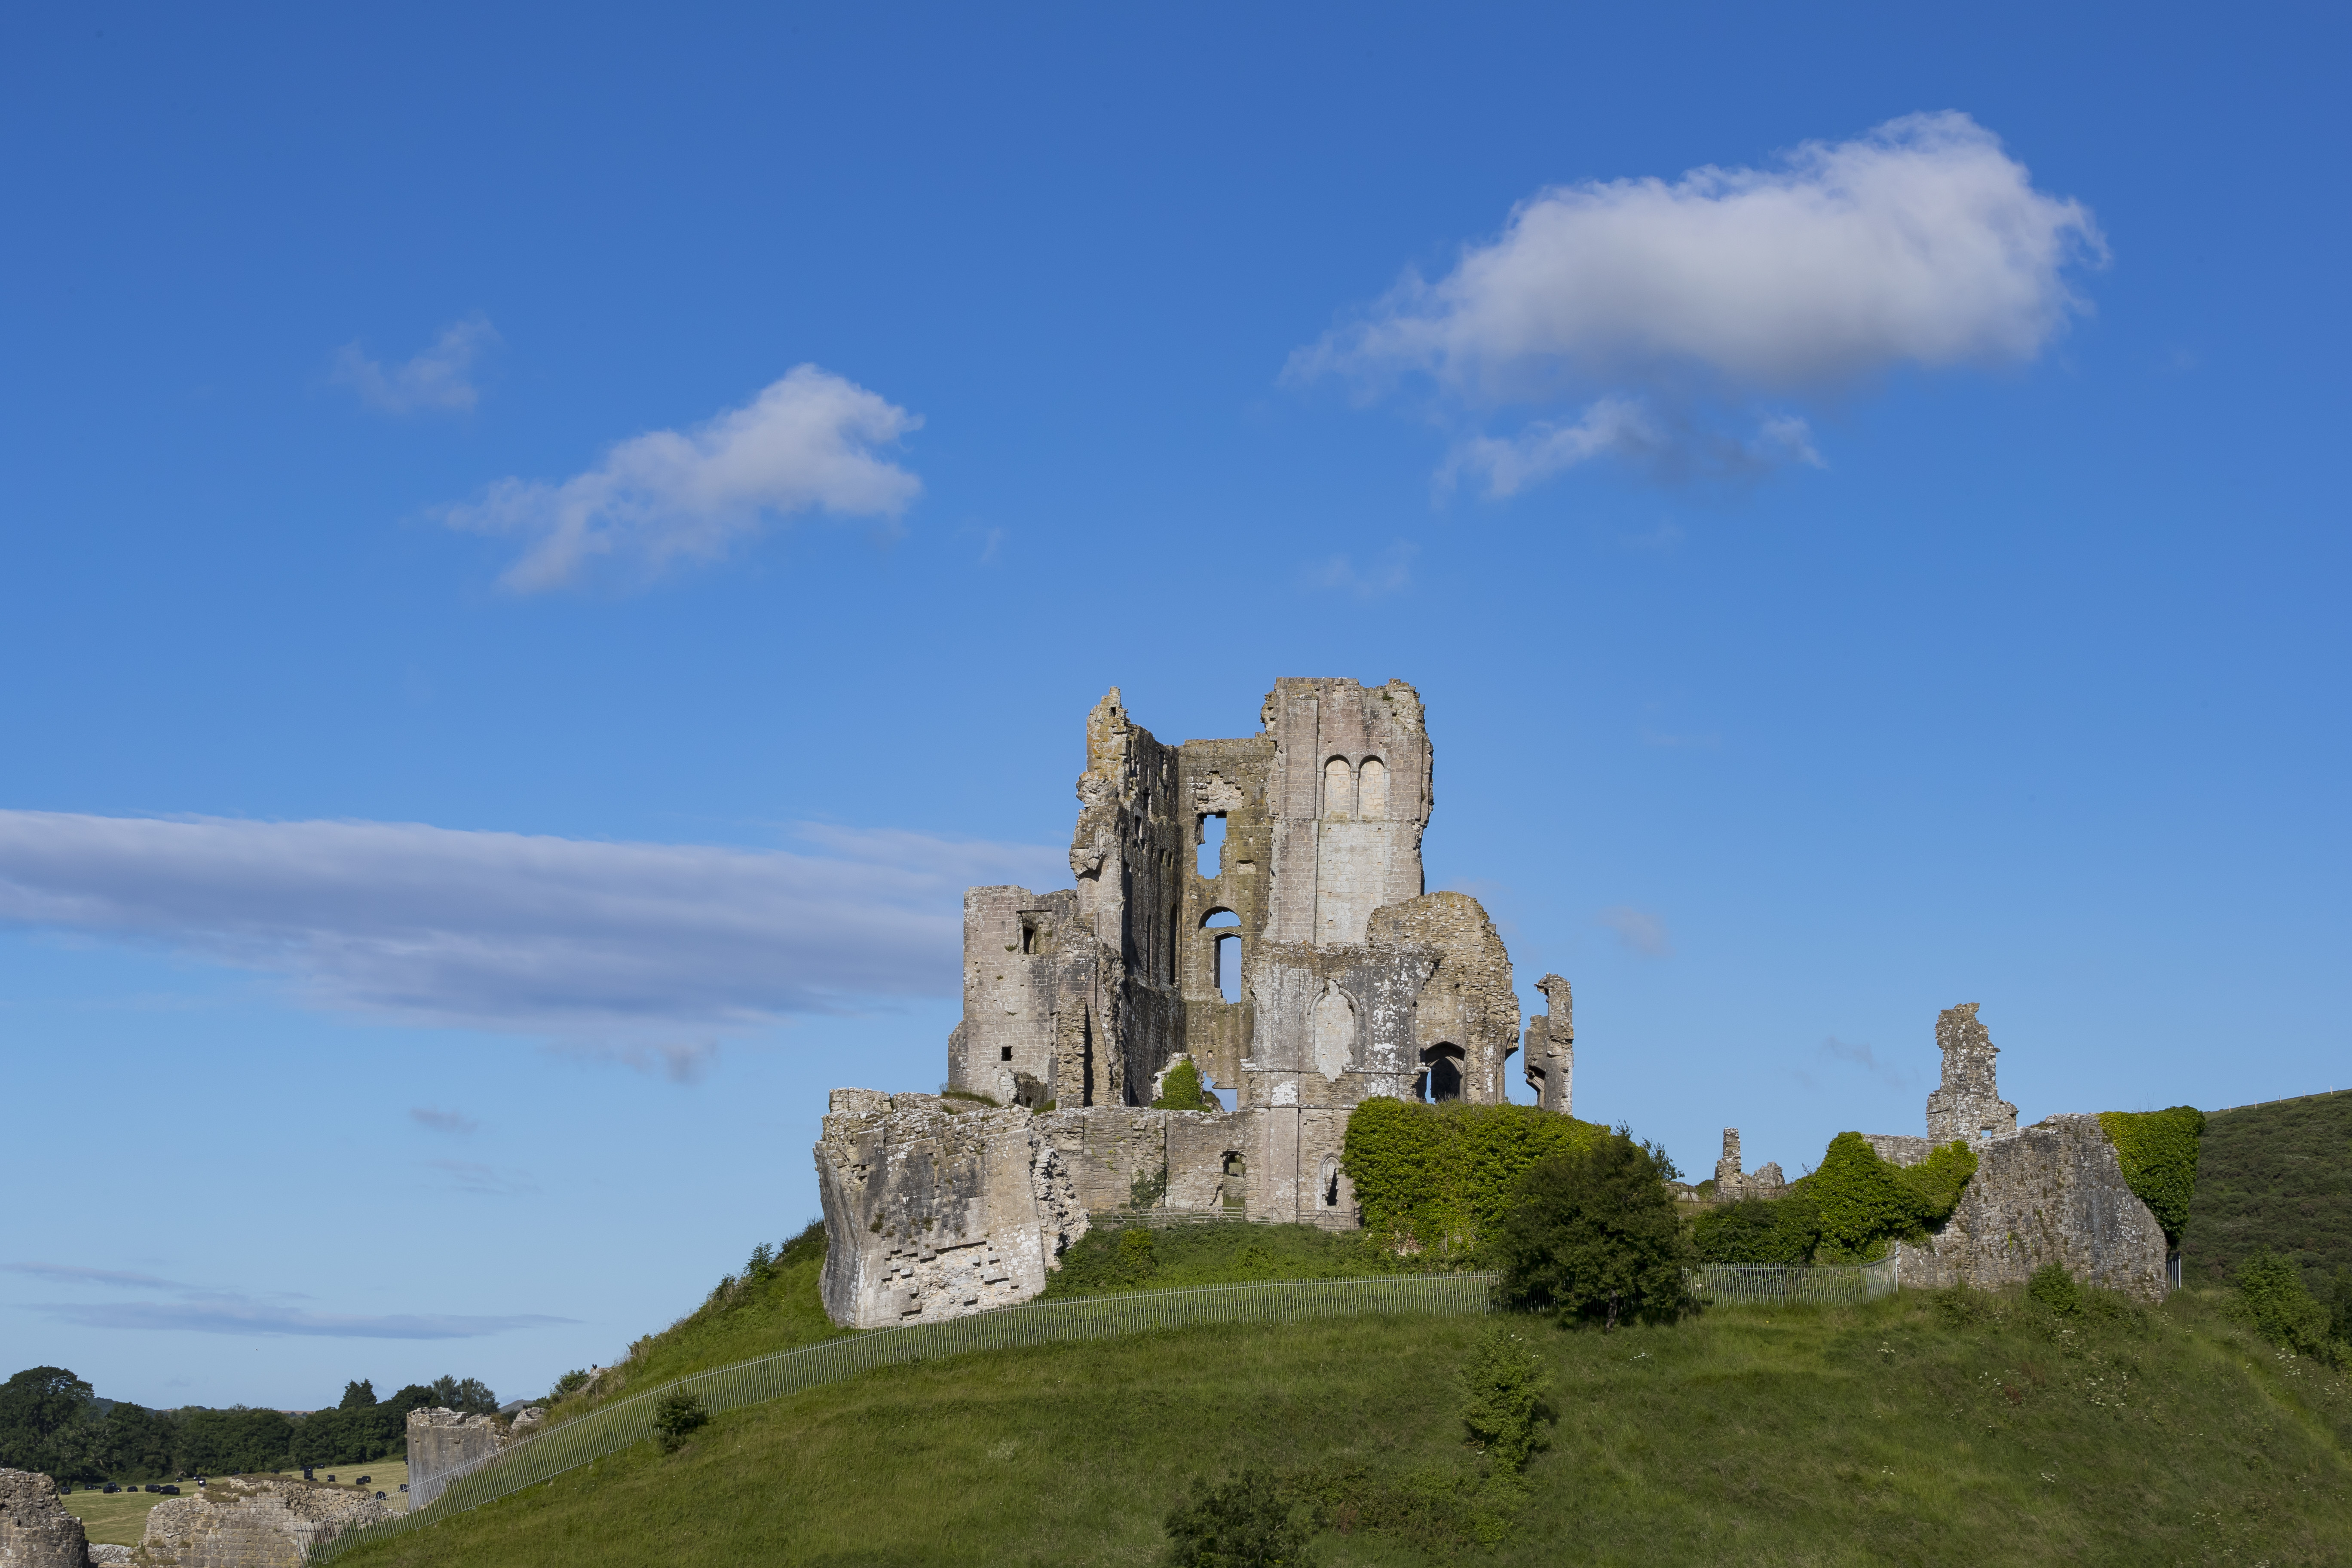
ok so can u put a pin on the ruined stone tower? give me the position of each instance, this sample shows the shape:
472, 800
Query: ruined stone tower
1969, 1105
1353, 981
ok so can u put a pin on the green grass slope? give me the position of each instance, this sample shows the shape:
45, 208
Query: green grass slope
1922, 1429
2275, 1177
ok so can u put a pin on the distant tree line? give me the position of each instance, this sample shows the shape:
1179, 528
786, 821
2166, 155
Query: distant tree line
51, 1421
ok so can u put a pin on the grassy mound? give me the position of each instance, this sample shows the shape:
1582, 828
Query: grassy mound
773, 1305
2275, 1178
1922, 1429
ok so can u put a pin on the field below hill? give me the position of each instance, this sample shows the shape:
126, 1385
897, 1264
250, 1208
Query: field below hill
1926, 1428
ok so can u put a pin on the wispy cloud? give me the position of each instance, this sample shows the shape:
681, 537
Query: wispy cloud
810, 442
440, 378
201, 1310
1863, 1056
453, 1122
1388, 573
486, 1181
645, 953
1640, 931
1659, 314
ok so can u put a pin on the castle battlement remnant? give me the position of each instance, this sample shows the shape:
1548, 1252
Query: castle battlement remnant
1254, 906
1969, 1105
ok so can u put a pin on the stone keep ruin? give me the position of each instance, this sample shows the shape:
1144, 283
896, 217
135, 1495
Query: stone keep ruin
1291, 860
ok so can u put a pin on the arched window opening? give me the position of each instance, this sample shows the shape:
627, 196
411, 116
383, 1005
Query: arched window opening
1233, 1188
1339, 790
1209, 859
1326, 1184
1372, 791
1228, 948
1443, 1075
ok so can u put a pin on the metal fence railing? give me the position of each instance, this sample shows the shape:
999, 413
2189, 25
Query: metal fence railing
1776, 1285
626, 1422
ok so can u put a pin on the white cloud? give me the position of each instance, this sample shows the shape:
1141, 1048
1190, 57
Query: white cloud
441, 377
809, 442
1640, 931
1921, 243
1388, 573
620, 949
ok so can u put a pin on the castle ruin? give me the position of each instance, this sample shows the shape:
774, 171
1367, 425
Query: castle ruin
1255, 906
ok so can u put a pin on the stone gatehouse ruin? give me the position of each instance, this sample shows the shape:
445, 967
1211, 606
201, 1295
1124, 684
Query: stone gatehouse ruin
1255, 907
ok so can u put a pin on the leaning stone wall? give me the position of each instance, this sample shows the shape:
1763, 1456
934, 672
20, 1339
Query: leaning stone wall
2053, 1193
36, 1531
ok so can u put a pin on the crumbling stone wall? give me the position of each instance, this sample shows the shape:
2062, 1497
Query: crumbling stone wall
2053, 1193
1552, 1047
253, 1523
442, 1444
1731, 1185
1968, 1106
36, 1531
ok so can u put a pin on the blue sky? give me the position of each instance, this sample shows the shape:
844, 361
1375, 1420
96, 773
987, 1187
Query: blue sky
541, 550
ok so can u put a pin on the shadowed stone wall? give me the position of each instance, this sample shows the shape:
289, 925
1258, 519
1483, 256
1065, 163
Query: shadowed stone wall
36, 1531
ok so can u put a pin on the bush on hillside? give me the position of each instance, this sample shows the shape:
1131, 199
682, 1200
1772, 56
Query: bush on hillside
1436, 1178
2053, 1287
2272, 1294
2157, 1150
1503, 1407
1248, 1521
1592, 1235
1180, 1089
1756, 1230
678, 1416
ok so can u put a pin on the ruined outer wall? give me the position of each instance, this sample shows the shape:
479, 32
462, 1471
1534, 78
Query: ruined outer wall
2052, 1193
253, 1523
36, 1531
1467, 1007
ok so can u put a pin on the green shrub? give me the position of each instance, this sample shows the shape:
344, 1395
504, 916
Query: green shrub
1147, 1188
1180, 1089
2157, 1150
1438, 1177
974, 1095
1592, 1235
1860, 1202
2339, 1306
678, 1417
2283, 1308
1503, 1407
1756, 1230
1247, 1521
2053, 1287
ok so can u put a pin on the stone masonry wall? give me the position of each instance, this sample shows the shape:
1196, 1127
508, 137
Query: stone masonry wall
36, 1531
2053, 1193
250, 1523
1967, 1105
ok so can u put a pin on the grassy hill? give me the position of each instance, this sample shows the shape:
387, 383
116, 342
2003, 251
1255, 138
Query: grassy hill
1923, 1429
2275, 1176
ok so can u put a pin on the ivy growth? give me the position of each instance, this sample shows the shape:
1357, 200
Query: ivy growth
2157, 1150
1437, 1178
1180, 1089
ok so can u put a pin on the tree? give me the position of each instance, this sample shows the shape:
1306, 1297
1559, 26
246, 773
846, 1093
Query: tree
36, 1406
1592, 1235
469, 1396
359, 1395
1756, 1230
